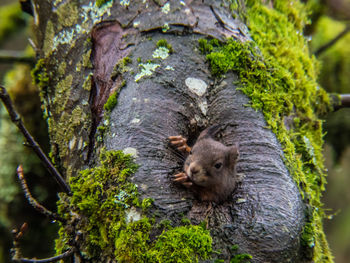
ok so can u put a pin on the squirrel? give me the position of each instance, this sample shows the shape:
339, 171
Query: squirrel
210, 167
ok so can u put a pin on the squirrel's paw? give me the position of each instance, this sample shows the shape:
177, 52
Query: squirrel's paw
180, 143
183, 179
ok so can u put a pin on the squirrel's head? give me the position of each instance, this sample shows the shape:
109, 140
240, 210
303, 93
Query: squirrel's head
210, 163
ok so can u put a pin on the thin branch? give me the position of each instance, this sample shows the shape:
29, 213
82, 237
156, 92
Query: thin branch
37, 149
32, 200
333, 41
11, 56
66, 254
17, 235
17, 255
340, 101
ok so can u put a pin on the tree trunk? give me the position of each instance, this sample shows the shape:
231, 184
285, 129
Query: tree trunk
91, 52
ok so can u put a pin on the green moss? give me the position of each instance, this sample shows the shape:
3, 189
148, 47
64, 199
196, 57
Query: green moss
63, 91
103, 200
281, 82
12, 18
100, 3
182, 244
68, 8
335, 65
88, 82
239, 258
111, 102
62, 68
164, 43
121, 67
62, 132
39, 74
49, 38
85, 61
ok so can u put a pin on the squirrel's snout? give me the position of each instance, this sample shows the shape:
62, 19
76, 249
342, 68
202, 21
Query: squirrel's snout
192, 170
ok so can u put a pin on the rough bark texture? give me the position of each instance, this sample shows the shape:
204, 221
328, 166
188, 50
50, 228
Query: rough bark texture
264, 216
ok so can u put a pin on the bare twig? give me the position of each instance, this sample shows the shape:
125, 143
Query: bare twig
11, 56
333, 41
17, 235
340, 101
66, 254
35, 146
33, 201
17, 255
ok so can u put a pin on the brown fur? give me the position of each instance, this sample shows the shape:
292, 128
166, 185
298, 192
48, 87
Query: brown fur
210, 168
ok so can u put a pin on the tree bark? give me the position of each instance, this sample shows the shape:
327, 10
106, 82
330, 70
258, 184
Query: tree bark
265, 214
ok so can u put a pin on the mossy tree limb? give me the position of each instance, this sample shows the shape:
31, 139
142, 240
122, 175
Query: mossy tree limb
164, 80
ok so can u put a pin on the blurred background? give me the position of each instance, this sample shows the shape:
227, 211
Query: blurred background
15, 29
330, 21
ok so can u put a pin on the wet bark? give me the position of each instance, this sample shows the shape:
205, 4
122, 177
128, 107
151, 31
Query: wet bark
265, 214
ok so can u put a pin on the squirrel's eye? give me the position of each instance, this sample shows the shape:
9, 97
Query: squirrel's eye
218, 165
190, 152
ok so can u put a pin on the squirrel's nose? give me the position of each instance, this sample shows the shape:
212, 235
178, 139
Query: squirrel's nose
194, 168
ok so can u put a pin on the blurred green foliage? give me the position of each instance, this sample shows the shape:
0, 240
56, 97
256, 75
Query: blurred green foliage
12, 19
14, 209
335, 78
335, 62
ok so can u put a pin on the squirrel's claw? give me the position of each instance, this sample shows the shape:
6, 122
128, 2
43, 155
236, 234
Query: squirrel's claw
180, 142
183, 179
180, 178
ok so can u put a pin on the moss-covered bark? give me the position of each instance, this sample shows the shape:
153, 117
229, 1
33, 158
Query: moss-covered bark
116, 75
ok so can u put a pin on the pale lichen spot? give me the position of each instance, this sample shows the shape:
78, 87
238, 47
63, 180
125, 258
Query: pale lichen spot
132, 151
188, 11
125, 3
197, 118
197, 86
135, 121
203, 105
166, 8
161, 52
72, 143
56, 2
91, 14
169, 68
241, 200
146, 70
144, 187
136, 24
81, 143
165, 27
132, 215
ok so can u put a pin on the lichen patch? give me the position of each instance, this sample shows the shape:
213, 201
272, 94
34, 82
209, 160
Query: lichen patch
146, 70
132, 215
161, 52
197, 86
203, 105
132, 151
166, 8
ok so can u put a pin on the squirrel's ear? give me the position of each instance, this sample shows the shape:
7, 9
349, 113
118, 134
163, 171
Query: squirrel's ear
209, 132
233, 154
